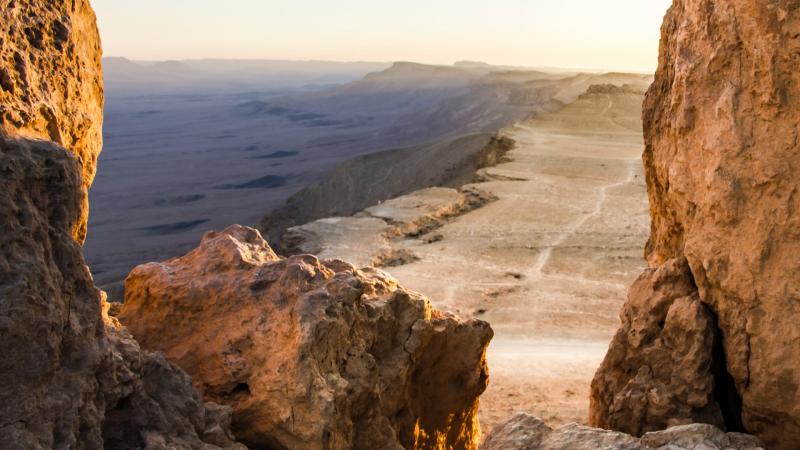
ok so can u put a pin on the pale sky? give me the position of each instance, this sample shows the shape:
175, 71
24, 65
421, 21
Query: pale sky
587, 34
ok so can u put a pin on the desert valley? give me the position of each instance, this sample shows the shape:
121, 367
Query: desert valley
312, 255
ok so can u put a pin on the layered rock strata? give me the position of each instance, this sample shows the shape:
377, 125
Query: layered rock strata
370, 237
311, 354
721, 129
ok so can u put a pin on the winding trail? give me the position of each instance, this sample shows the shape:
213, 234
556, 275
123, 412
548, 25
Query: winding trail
548, 263
544, 256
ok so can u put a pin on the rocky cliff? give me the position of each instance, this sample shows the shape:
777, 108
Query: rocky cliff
51, 83
721, 129
311, 354
70, 377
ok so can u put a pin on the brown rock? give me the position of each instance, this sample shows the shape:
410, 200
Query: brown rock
67, 379
51, 83
659, 368
49, 309
311, 354
721, 127
151, 403
525, 432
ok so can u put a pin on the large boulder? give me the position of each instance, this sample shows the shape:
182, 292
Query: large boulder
526, 432
311, 354
51, 82
722, 132
69, 378
660, 368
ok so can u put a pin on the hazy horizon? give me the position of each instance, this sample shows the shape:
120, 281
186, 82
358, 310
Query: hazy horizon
574, 34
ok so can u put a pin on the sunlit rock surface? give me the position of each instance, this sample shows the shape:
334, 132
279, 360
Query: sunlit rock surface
721, 127
51, 83
311, 354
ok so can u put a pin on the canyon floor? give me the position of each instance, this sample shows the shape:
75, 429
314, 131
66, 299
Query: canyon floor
546, 258
549, 262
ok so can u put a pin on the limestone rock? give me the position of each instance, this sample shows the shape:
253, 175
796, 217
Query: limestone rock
721, 129
659, 370
525, 432
51, 83
68, 379
311, 354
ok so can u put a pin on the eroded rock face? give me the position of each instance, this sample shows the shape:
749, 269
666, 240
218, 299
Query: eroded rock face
51, 83
721, 126
525, 432
659, 370
151, 403
49, 309
311, 354
68, 378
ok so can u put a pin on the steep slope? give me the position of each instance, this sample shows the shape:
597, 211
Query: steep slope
721, 128
369, 179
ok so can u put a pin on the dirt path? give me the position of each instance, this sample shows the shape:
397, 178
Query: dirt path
548, 263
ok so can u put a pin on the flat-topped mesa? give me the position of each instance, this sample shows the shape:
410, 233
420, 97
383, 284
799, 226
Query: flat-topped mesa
51, 82
311, 354
722, 131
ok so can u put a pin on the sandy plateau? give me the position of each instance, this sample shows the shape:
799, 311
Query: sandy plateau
543, 247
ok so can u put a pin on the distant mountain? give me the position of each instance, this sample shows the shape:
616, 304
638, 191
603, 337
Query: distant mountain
124, 77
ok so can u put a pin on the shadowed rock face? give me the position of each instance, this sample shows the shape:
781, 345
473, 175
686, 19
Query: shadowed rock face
311, 354
51, 83
69, 378
721, 128
49, 309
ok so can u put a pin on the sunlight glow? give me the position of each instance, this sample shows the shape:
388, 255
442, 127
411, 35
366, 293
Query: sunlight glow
611, 35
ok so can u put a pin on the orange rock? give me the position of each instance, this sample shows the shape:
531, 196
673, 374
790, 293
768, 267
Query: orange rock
311, 354
722, 131
51, 82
